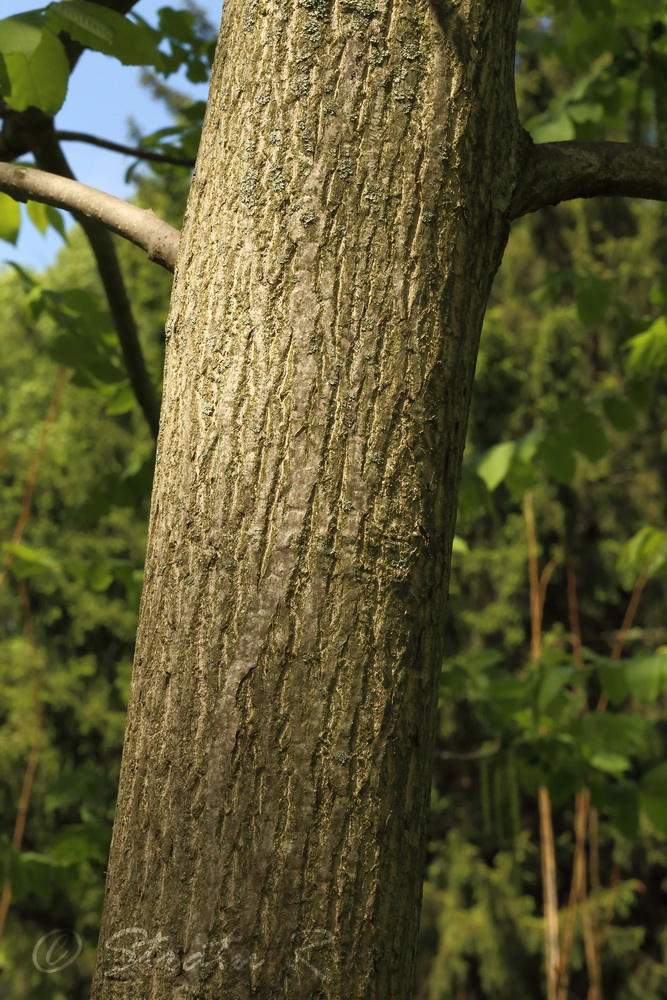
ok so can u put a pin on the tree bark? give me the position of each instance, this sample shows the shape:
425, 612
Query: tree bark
348, 212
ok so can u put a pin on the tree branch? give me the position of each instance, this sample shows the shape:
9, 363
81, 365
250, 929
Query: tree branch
559, 171
117, 147
142, 227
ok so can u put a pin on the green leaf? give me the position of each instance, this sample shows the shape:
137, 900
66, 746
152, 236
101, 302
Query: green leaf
593, 296
544, 128
654, 782
588, 437
474, 498
648, 350
555, 452
614, 683
620, 413
27, 279
655, 807
93, 367
105, 30
458, 545
645, 552
654, 795
37, 213
35, 64
620, 800
610, 763
83, 784
617, 733
510, 689
30, 872
553, 684
10, 218
178, 24
493, 465
81, 842
56, 221
585, 112
593, 9
100, 575
27, 560
646, 676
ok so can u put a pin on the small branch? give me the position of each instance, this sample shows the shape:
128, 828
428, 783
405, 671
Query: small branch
140, 226
560, 171
117, 147
548, 851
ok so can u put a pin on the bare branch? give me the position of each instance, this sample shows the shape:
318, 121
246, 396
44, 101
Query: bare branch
559, 171
141, 226
117, 147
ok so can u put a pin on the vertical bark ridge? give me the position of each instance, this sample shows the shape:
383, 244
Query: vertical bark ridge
347, 215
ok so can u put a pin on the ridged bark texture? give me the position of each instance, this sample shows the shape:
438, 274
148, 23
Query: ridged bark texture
348, 212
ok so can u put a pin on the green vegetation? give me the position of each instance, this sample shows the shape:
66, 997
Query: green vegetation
550, 769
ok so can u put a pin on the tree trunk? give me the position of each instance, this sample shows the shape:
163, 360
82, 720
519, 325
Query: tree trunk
347, 215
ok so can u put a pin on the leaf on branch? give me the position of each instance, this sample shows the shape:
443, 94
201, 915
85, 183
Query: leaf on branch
654, 796
27, 560
495, 463
588, 437
645, 552
56, 221
10, 218
35, 66
38, 215
555, 452
42, 216
648, 350
105, 30
620, 413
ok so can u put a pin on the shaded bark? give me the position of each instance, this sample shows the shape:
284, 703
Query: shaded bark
349, 209
560, 171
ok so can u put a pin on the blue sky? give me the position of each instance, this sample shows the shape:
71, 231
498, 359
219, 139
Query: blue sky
102, 96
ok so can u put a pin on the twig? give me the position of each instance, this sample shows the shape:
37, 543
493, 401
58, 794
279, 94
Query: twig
548, 854
538, 586
117, 147
577, 890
